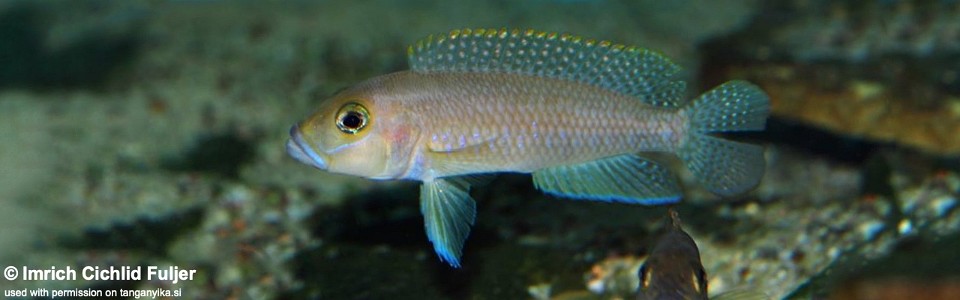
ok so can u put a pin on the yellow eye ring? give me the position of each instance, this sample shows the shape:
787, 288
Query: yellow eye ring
352, 117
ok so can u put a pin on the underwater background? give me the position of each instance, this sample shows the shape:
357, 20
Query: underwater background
151, 133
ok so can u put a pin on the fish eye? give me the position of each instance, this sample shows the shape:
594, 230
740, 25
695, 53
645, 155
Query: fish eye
698, 278
352, 118
644, 276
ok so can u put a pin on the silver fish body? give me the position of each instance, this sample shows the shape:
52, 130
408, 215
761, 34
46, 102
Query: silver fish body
575, 113
481, 123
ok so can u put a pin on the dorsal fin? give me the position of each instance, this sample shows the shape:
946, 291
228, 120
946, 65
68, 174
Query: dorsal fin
638, 72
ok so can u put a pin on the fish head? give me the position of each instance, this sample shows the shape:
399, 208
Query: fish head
359, 131
673, 270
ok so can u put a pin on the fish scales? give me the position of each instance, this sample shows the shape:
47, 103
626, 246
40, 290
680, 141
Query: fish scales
527, 123
577, 114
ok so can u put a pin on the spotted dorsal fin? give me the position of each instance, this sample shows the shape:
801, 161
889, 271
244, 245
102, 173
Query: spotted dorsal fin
633, 71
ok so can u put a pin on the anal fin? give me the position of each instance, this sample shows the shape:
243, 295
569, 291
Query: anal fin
448, 213
625, 178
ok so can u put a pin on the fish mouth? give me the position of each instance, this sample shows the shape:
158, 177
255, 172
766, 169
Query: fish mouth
301, 151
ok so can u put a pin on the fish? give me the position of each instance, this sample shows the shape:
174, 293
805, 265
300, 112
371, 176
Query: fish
578, 114
673, 270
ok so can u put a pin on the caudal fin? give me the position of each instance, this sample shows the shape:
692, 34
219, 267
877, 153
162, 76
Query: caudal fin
725, 167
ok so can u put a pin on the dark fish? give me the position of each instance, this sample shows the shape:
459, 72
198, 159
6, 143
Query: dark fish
673, 270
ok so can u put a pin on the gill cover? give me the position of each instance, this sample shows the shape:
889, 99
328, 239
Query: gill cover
345, 134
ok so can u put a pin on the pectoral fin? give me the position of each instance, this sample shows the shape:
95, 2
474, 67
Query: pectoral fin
448, 212
625, 178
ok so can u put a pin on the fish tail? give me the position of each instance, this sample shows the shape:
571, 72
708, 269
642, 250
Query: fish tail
723, 166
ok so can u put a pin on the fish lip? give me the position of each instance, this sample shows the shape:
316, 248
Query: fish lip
301, 151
